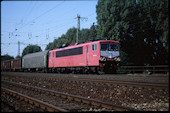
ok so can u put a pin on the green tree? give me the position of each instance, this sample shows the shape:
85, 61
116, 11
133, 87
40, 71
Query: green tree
6, 57
141, 26
108, 18
155, 29
18, 56
31, 49
65, 39
70, 37
85, 35
93, 30
52, 45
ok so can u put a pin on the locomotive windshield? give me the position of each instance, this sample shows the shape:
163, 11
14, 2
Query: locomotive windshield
109, 47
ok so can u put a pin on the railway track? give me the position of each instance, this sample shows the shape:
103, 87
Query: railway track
43, 105
150, 97
142, 84
151, 85
77, 99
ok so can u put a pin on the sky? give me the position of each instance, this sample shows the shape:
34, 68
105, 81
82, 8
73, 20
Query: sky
40, 22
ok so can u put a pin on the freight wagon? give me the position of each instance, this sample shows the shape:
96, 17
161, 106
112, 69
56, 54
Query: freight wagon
35, 61
6, 65
16, 64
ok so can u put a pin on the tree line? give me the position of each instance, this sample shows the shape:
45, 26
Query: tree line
141, 27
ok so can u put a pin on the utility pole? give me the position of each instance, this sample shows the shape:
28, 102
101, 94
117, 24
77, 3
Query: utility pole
78, 26
18, 48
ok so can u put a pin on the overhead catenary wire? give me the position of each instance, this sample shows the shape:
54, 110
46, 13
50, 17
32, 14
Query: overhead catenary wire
40, 16
67, 24
21, 35
54, 30
39, 44
16, 24
52, 8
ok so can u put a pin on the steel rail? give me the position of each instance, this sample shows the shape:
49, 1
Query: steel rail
154, 85
36, 102
77, 98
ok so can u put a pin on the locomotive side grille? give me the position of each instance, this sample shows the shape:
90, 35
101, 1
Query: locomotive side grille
70, 52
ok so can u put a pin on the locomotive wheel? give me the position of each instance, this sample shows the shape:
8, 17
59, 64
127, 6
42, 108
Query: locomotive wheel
99, 71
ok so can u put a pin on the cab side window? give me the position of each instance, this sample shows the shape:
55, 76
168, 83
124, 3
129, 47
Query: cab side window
94, 47
87, 49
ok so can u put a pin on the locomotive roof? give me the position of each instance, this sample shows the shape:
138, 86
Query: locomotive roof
83, 44
109, 41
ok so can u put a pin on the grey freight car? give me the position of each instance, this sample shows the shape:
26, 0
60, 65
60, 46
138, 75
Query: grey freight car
35, 61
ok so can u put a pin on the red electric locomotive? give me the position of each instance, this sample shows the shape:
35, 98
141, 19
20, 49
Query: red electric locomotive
94, 56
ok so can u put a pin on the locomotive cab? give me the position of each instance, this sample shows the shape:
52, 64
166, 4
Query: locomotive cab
109, 56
